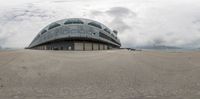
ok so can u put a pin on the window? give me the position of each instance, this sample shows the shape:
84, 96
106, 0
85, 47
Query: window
107, 30
107, 37
54, 25
114, 41
73, 22
95, 25
38, 36
104, 36
112, 35
115, 31
43, 31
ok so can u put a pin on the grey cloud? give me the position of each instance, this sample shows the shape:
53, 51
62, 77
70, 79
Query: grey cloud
62, 1
158, 41
96, 13
18, 22
25, 13
193, 44
196, 22
154, 23
120, 25
120, 12
2, 41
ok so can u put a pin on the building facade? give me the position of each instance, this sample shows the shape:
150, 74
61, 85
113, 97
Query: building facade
76, 34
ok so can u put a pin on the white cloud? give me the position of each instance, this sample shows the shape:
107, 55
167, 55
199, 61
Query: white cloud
139, 22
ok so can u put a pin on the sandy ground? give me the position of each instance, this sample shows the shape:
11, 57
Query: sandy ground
117, 74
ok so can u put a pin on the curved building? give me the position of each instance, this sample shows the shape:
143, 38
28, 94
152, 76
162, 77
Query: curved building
75, 34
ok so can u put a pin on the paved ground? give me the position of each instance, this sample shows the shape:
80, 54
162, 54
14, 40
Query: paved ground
119, 74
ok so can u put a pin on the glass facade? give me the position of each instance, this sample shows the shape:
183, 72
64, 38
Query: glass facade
54, 25
73, 22
81, 29
107, 30
43, 31
95, 25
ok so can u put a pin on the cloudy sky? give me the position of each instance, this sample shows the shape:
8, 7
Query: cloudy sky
139, 22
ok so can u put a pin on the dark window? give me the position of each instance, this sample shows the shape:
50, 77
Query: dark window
95, 25
107, 30
74, 22
43, 31
114, 41
115, 31
107, 37
68, 22
112, 35
104, 36
54, 25
38, 36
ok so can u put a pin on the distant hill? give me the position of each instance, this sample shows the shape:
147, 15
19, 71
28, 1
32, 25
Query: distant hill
160, 47
1, 48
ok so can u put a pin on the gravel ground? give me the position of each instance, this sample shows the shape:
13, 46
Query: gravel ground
114, 74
